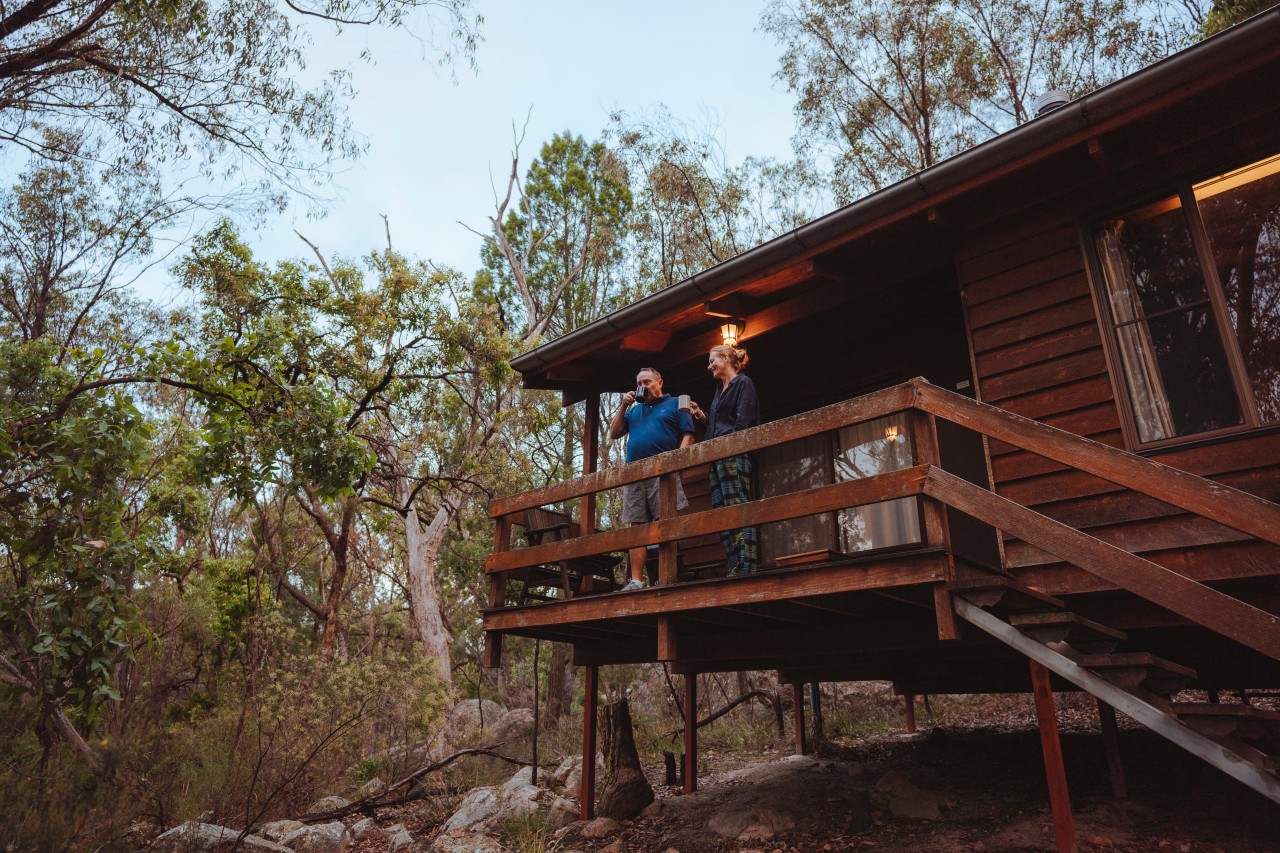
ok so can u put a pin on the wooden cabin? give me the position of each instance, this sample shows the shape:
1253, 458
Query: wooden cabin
1021, 429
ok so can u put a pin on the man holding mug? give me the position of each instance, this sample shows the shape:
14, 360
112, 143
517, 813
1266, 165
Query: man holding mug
654, 424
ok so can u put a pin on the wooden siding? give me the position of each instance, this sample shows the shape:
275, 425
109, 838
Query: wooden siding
1037, 351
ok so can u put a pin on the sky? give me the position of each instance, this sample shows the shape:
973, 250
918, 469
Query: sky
439, 147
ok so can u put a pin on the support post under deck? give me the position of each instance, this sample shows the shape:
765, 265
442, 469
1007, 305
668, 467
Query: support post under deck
690, 733
1054, 769
910, 702
1111, 744
590, 686
797, 699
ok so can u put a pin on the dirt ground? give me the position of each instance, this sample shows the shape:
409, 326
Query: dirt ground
994, 796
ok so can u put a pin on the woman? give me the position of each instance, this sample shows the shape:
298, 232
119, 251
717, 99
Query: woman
734, 407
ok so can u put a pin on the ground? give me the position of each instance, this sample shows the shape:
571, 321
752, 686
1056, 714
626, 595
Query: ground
990, 785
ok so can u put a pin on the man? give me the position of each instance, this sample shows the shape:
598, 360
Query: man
655, 426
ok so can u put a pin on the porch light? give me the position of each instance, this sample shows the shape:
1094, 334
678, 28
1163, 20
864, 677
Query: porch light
891, 432
731, 331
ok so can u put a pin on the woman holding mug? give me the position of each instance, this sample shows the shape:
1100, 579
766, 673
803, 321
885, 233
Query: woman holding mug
734, 407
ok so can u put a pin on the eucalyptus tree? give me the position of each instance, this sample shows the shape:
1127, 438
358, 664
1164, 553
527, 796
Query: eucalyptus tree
886, 89
223, 82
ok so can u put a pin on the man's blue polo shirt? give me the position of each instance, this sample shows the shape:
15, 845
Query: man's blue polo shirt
655, 426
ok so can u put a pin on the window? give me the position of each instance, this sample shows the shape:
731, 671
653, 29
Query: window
1193, 289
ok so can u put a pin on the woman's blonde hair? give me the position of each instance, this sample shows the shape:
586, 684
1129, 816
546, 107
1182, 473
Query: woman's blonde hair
737, 356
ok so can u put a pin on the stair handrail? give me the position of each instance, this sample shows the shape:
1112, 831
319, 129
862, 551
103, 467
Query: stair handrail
1224, 504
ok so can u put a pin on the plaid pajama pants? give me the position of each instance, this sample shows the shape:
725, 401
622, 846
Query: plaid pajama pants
731, 485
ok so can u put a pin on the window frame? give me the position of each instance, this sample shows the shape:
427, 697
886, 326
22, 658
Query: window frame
1088, 228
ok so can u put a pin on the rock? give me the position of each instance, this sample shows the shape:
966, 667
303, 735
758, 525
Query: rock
194, 836
908, 801
654, 809
361, 828
464, 721
371, 788
513, 727
328, 804
522, 778
329, 837
562, 812
466, 842
477, 807
571, 780
522, 801
601, 827
278, 829
615, 847
398, 838
750, 824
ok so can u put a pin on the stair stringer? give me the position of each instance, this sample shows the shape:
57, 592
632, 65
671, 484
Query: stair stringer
1154, 718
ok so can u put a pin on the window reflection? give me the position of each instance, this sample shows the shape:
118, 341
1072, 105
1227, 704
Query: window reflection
1241, 213
866, 450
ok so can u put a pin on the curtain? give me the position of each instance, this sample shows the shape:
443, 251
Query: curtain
865, 450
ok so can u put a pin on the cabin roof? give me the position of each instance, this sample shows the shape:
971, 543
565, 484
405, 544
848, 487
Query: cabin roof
923, 210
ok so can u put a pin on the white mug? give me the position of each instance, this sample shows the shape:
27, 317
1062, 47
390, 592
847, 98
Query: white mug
683, 402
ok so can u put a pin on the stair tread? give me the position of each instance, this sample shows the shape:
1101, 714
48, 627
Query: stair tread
1014, 596
1136, 659
1209, 709
1031, 620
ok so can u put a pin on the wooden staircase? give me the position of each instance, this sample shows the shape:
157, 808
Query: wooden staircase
1242, 741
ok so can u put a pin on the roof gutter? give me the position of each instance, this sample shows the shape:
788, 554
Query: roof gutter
1258, 36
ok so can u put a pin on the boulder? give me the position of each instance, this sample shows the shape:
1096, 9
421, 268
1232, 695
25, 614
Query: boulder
361, 828
398, 838
477, 807
750, 824
513, 727
328, 804
196, 837
329, 837
371, 788
463, 723
562, 812
601, 827
278, 829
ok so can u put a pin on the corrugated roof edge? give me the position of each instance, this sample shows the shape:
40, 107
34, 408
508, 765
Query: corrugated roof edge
1225, 48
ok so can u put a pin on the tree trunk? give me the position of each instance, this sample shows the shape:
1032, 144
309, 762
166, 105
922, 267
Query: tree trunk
626, 791
559, 682
423, 548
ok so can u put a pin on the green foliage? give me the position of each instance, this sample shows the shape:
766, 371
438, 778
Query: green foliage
68, 556
217, 81
1224, 13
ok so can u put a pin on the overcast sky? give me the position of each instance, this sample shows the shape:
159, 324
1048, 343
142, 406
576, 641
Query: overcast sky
435, 147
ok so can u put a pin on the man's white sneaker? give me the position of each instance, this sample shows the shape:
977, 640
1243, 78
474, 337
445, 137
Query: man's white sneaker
632, 586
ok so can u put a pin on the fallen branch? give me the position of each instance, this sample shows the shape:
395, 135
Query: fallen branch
717, 714
379, 800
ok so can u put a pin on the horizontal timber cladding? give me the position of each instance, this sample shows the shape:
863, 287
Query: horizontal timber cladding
1037, 351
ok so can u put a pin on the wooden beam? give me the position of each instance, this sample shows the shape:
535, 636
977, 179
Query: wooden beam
904, 570
690, 733
730, 307
909, 700
835, 416
590, 459
1054, 769
492, 649
668, 647
1230, 617
668, 549
591, 689
646, 341
898, 484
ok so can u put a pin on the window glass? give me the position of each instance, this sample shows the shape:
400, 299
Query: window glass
865, 450
1241, 214
793, 467
1176, 369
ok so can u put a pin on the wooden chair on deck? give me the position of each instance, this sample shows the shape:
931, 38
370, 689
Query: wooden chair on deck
573, 576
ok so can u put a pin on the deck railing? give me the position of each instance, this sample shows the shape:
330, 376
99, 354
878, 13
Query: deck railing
923, 402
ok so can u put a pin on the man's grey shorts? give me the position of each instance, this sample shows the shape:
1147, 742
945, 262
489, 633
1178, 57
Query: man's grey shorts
640, 500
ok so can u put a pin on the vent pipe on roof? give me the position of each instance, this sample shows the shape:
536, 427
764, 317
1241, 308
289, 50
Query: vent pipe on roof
1049, 101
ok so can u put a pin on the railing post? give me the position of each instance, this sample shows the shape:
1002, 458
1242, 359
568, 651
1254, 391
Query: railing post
667, 553
497, 592
590, 460
924, 444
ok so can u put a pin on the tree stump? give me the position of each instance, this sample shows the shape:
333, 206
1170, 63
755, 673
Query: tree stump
626, 791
